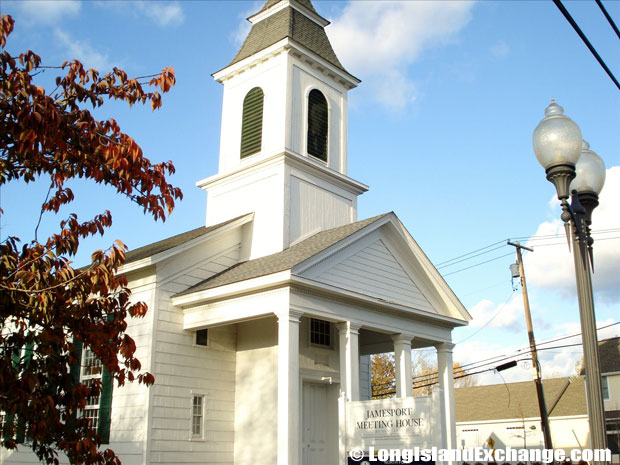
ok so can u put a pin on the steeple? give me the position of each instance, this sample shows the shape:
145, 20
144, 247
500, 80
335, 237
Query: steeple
295, 19
283, 144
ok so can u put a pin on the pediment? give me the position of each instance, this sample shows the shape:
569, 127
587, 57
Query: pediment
375, 271
386, 264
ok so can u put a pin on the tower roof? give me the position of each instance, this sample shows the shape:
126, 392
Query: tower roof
297, 20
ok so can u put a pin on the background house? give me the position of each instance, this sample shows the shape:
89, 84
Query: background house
509, 414
609, 357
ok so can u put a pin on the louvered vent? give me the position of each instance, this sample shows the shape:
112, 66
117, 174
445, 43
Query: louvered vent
317, 125
252, 124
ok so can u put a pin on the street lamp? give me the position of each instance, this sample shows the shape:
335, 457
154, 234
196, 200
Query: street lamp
577, 171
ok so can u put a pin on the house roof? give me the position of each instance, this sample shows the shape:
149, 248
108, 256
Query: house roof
518, 400
609, 356
174, 241
281, 261
288, 22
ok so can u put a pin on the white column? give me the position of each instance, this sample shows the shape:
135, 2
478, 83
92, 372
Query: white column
446, 392
349, 360
402, 360
288, 389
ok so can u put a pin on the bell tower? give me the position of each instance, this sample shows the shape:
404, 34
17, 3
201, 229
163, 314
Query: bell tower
283, 142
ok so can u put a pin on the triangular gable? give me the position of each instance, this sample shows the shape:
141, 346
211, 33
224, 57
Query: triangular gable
382, 261
375, 271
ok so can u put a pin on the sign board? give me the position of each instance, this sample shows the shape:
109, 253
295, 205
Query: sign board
401, 422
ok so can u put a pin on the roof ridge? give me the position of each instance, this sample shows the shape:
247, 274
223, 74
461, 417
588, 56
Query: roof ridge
170, 242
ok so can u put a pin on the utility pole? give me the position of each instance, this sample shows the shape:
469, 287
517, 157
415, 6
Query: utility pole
544, 417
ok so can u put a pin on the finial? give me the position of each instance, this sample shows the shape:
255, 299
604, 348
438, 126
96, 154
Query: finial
585, 145
554, 109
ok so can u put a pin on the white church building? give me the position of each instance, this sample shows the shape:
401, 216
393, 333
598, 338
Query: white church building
261, 322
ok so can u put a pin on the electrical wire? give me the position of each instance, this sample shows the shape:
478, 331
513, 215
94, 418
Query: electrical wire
469, 253
609, 20
492, 247
585, 40
473, 256
495, 360
478, 264
490, 319
482, 251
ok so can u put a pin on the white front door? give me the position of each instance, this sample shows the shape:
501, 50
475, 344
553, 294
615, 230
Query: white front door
315, 427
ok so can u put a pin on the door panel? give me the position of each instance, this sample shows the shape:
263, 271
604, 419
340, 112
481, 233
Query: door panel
315, 441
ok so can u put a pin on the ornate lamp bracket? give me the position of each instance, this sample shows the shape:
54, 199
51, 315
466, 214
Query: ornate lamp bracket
561, 175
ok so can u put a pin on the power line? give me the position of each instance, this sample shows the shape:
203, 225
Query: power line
564, 243
550, 236
585, 40
609, 20
517, 353
478, 264
472, 252
490, 319
473, 256
492, 247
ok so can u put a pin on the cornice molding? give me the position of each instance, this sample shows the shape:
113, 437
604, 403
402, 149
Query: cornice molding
291, 159
295, 49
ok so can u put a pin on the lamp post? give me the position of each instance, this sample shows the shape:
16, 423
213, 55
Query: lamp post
573, 168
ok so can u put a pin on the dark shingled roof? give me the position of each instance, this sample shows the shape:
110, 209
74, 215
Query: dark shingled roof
288, 23
170, 242
609, 356
609, 353
518, 400
281, 261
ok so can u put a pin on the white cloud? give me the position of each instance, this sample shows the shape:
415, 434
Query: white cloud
378, 40
49, 11
83, 51
562, 361
162, 13
556, 361
551, 266
239, 34
476, 356
503, 316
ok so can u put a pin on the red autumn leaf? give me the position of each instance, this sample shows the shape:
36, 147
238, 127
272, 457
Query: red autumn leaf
49, 306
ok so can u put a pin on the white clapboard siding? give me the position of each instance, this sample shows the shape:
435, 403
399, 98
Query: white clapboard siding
128, 427
182, 369
376, 272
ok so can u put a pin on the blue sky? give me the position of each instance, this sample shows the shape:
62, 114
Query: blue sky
440, 128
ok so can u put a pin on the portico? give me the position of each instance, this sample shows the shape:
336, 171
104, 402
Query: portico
283, 307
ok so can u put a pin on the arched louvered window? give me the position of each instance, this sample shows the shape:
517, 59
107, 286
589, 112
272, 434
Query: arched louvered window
317, 125
252, 123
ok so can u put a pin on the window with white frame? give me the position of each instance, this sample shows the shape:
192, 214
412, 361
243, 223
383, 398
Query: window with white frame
197, 416
90, 373
320, 332
605, 387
